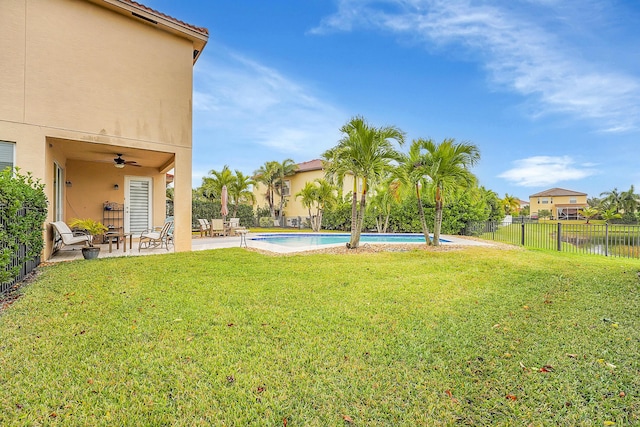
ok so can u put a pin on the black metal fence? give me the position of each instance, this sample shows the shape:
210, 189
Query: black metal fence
16, 259
598, 239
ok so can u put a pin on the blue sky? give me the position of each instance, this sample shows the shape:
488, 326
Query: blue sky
549, 90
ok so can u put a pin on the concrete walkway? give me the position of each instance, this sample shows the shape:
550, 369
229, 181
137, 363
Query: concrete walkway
207, 243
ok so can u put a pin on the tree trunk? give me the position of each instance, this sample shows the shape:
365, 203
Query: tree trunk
379, 224
272, 210
354, 239
438, 219
311, 220
280, 212
319, 219
423, 220
360, 219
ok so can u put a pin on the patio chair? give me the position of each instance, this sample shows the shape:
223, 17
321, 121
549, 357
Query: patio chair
234, 226
157, 238
63, 236
217, 227
205, 227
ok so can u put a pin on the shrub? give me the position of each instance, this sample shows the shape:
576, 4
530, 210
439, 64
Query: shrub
266, 221
23, 210
627, 218
337, 217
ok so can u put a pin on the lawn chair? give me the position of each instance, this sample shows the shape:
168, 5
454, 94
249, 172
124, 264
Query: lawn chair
217, 227
205, 227
63, 236
234, 226
157, 238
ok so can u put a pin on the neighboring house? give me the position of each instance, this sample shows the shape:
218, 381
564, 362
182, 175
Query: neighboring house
305, 172
563, 204
523, 204
86, 80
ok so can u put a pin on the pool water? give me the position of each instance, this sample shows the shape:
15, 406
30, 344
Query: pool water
304, 239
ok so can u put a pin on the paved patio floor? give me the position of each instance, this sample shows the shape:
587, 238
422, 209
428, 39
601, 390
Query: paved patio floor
205, 243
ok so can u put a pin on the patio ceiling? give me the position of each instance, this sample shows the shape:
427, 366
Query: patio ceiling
104, 153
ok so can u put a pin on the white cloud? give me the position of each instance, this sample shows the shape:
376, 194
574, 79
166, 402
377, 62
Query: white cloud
246, 113
522, 46
261, 106
543, 171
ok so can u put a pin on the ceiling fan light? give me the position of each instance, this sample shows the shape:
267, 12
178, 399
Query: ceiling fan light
119, 165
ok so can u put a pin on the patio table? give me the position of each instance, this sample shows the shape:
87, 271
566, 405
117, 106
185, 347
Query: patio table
119, 235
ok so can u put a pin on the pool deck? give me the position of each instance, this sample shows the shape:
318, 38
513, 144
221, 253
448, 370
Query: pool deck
208, 243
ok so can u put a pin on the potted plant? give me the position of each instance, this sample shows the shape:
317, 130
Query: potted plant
93, 228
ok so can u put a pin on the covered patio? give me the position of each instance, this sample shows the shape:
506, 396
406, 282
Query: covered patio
122, 187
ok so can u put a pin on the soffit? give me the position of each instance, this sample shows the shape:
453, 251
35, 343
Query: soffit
103, 153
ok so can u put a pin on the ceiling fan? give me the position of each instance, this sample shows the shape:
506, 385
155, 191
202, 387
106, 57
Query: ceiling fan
119, 162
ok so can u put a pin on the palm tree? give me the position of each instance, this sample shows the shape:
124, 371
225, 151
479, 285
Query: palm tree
511, 204
309, 197
448, 168
285, 169
589, 213
412, 172
212, 185
364, 152
385, 197
317, 194
594, 202
267, 175
491, 202
239, 191
629, 201
327, 196
610, 214
611, 200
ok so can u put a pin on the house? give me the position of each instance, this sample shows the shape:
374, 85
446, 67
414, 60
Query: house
305, 172
97, 104
563, 204
522, 204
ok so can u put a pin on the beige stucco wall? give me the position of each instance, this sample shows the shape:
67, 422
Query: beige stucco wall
536, 203
293, 206
72, 70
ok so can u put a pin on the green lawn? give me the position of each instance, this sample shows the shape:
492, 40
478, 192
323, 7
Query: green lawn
230, 337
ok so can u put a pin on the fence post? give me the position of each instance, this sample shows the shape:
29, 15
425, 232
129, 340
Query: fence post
522, 234
559, 237
606, 239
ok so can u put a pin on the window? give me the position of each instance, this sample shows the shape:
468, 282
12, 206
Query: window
573, 200
545, 200
6, 154
58, 191
286, 188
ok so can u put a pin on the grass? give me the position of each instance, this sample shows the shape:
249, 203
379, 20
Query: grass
230, 337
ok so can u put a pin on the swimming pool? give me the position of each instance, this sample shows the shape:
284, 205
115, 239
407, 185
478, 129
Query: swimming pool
319, 239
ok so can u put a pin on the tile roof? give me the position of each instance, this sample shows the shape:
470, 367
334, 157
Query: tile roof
557, 192
133, 3
311, 165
